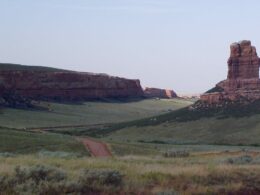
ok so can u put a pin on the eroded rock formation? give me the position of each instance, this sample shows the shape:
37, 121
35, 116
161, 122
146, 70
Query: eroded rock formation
243, 62
159, 93
66, 86
242, 83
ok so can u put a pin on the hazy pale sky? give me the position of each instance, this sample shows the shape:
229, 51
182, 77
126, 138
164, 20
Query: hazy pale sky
177, 44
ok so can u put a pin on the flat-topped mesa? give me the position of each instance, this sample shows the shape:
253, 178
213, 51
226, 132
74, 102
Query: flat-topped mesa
242, 83
243, 62
65, 86
159, 93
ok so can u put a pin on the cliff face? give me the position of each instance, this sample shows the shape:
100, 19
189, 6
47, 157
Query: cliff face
67, 86
243, 62
242, 83
159, 93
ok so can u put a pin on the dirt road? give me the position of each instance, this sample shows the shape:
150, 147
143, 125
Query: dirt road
96, 148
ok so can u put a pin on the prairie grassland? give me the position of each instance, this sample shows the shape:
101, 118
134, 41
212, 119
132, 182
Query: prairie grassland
87, 113
200, 173
129, 147
25, 142
226, 131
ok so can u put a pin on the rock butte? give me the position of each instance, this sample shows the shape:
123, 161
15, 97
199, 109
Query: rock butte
66, 86
159, 93
242, 83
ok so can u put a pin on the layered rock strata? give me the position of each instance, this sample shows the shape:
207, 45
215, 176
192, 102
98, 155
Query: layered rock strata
66, 86
242, 83
159, 93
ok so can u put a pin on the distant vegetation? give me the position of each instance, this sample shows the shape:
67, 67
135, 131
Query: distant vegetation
87, 113
21, 130
149, 120
6, 66
229, 131
237, 125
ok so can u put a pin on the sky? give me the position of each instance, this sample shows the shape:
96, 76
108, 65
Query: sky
176, 44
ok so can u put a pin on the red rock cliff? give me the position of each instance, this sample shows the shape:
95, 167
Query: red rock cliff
242, 83
243, 62
68, 86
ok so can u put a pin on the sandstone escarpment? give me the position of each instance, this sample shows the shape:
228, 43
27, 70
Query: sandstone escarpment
242, 84
159, 93
66, 85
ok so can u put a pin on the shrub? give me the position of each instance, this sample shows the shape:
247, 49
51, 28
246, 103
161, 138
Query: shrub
6, 185
34, 180
39, 173
246, 159
6, 154
59, 154
156, 177
167, 192
2, 182
176, 154
101, 177
51, 180
256, 160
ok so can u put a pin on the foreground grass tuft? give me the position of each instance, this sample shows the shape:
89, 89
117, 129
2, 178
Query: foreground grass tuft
200, 173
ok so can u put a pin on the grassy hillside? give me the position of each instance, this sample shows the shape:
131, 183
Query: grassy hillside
231, 126
87, 113
7, 66
155, 148
230, 131
14, 141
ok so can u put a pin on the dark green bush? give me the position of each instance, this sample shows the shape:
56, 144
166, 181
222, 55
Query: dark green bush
246, 159
6, 154
50, 180
176, 154
167, 192
3, 183
101, 177
39, 173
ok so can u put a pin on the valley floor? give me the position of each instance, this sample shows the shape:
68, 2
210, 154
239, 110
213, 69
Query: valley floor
86, 113
41, 152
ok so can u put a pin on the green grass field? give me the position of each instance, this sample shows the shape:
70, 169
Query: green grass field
15, 137
148, 120
87, 113
230, 131
17, 141
233, 126
154, 149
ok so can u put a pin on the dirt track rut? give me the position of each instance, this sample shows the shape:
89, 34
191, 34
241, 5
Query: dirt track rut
96, 148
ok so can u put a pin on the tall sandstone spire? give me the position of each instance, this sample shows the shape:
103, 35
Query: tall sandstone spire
243, 62
242, 84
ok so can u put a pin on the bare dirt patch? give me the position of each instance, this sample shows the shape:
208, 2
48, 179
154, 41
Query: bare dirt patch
96, 148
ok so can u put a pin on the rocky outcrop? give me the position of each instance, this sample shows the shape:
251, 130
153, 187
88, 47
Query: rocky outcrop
159, 93
243, 62
66, 86
242, 84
